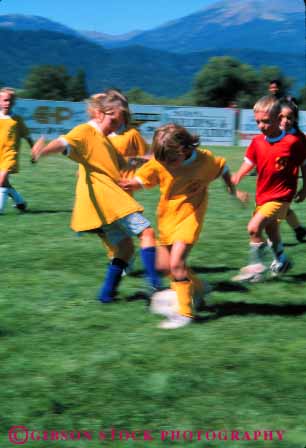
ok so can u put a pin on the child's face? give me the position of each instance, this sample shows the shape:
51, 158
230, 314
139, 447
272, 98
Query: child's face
267, 123
287, 119
176, 158
111, 120
273, 88
6, 102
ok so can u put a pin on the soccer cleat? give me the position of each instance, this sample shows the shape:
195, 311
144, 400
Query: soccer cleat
21, 207
175, 321
280, 267
300, 234
252, 273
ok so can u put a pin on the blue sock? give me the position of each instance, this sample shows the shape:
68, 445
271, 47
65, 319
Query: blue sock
148, 257
113, 276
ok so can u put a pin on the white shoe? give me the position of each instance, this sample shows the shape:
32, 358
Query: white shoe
280, 267
251, 273
175, 321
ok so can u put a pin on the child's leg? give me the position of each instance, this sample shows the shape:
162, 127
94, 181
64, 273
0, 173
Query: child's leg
181, 282
3, 198
281, 262
20, 203
182, 286
163, 259
292, 219
122, 253
257, 243
148, 256
295, 224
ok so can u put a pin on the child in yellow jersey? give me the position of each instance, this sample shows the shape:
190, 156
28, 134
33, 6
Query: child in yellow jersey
131, 145
101, 206
183, 173
12, 129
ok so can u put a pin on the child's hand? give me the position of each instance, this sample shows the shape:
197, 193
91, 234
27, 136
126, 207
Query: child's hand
235, 179
243, 196
37, 149
129, 184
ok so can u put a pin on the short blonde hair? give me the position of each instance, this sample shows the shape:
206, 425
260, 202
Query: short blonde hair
172, 139
109, 100
9, 90
269, 104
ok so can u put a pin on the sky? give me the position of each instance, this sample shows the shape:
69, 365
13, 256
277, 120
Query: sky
106, 16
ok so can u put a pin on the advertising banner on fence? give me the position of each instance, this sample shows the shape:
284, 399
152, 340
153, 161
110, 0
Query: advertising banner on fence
53, 118
247, 127
50, 118
214, 126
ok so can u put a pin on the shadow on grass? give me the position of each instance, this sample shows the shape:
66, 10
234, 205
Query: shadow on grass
228, 286
211, 269
196, 269
243, 309
41, 212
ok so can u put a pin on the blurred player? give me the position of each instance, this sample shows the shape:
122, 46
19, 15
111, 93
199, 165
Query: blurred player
12, 130
183, 173
289, 123
101, 206
277, 157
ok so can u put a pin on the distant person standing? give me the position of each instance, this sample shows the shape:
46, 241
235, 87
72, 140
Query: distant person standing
12, 129
276, 88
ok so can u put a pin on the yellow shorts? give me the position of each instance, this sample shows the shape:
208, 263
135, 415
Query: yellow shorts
273, 209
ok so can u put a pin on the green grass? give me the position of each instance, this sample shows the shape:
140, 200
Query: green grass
69, 363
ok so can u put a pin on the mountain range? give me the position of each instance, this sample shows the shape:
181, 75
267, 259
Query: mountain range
164, 60
274, 25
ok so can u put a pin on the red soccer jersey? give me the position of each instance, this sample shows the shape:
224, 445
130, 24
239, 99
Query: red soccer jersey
277, 167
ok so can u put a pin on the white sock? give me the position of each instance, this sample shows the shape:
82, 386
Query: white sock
256, 252
3, 198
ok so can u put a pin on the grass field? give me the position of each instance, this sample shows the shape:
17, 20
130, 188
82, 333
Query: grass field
70, 363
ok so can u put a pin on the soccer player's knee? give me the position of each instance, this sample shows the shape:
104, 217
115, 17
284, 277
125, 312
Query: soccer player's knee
125, 249
147, 237
253, 229
178, 270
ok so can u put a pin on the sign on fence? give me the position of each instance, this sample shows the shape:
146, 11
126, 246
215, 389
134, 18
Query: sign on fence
53, 118
214, 126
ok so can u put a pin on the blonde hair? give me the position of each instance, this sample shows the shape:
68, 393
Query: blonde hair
172, 139
9, 90
269, 104
109, 100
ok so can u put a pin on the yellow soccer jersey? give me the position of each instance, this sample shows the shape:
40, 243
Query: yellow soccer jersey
130, 143
184, 195
99, 200
12, 129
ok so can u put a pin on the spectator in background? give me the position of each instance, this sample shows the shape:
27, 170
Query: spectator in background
276, 88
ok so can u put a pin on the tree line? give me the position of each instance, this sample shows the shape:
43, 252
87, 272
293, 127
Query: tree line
222, 82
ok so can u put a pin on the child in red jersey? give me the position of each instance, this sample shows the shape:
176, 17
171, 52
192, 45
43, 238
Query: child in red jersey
289, 123
277, 157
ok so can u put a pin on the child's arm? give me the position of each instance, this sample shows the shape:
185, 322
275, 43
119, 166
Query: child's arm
227, 178
41, 149
244, 169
